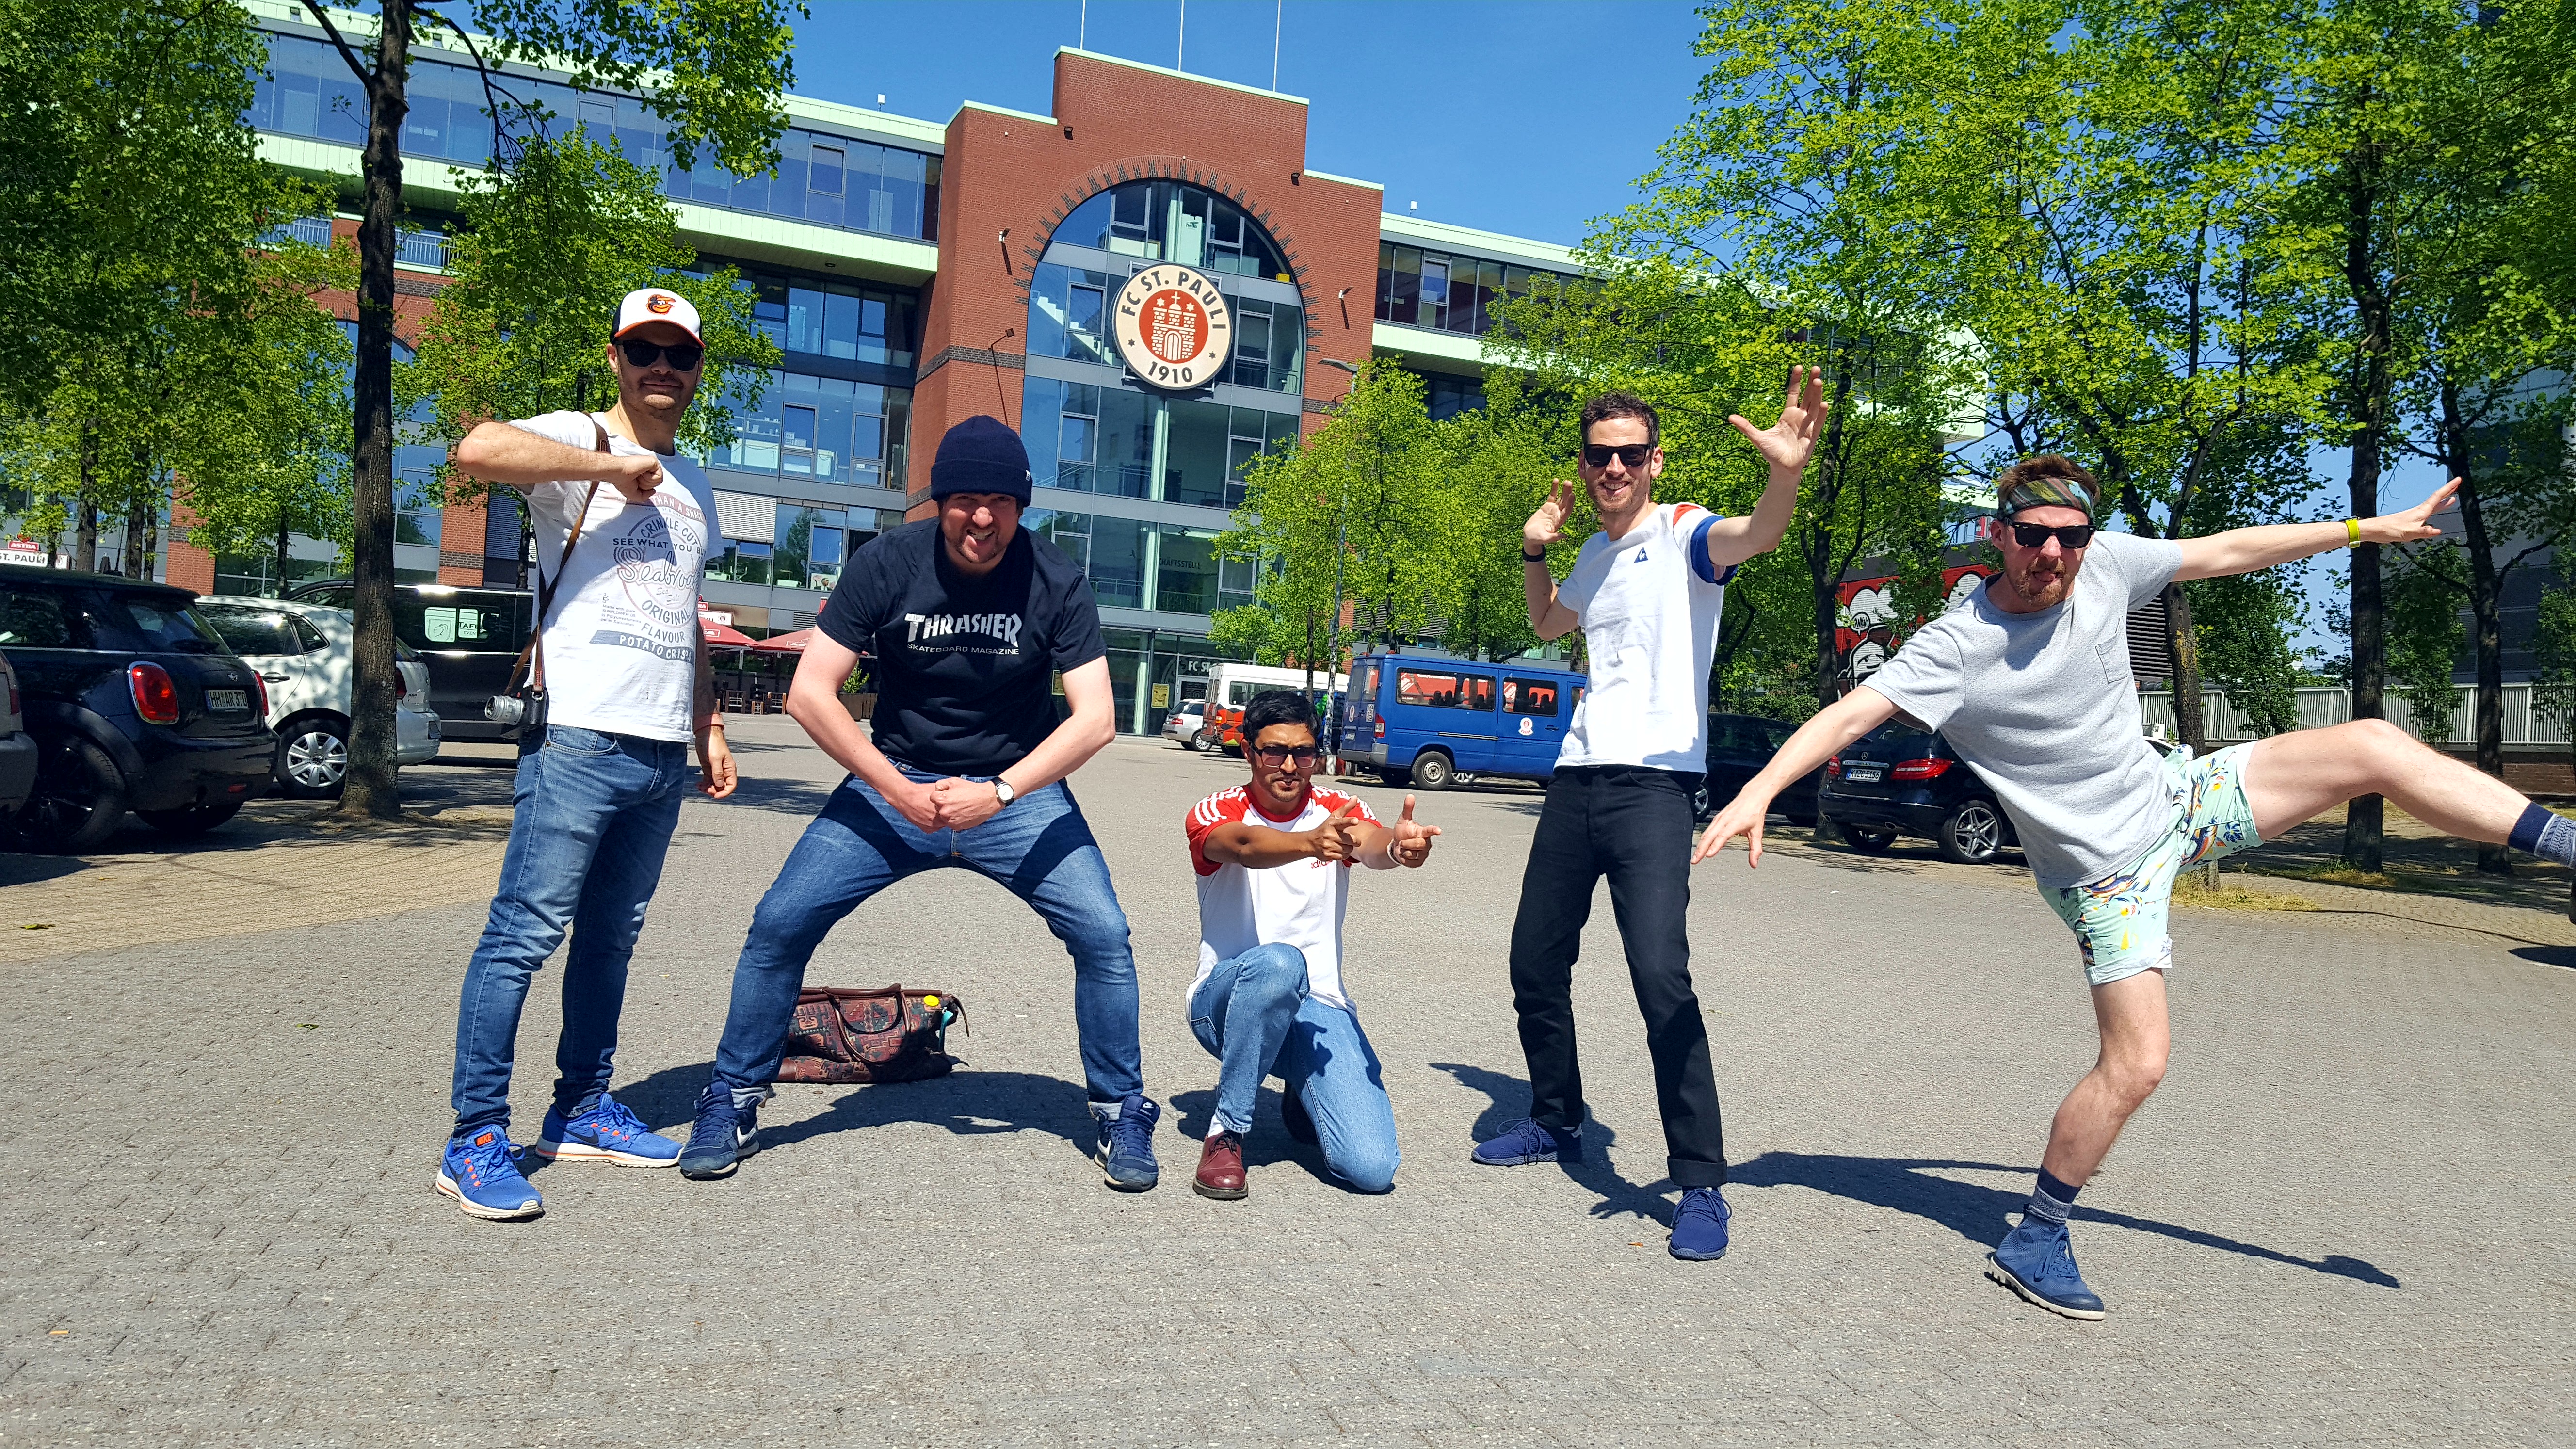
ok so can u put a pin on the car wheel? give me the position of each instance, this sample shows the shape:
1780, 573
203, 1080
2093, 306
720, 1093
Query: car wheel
313, 758
1433, 771
1866, 840
190, 821
1202, 742
1972, 834
78, 802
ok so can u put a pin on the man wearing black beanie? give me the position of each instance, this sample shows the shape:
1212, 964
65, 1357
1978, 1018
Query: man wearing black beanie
968, 617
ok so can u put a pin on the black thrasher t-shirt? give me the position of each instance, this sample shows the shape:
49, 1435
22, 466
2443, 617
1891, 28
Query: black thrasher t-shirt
963, 663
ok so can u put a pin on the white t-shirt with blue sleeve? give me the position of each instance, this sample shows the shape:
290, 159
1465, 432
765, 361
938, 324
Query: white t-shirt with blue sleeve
1648, 604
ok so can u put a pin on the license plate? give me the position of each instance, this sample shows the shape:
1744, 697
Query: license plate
1860, 775
227, 699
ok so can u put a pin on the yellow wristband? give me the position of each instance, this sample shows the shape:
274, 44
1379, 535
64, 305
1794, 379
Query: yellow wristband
2352, 532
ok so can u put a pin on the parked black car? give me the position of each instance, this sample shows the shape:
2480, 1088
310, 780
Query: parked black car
1739, 745
1900, 780
469, 637
135, 704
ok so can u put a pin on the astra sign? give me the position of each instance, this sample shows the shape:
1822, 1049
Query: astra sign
1173, 327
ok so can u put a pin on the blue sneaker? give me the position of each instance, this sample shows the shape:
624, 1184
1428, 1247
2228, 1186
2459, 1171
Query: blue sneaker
605, 1133
1126, 1150
726, 1132
2037, 1261
1699, 1225
1525, 1141
482, 1174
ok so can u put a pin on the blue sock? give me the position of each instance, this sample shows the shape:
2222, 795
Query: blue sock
2051, 1201
2545, 834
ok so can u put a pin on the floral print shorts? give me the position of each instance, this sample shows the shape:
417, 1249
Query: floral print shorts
2120, 919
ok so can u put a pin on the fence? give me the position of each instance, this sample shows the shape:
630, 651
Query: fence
2333, 706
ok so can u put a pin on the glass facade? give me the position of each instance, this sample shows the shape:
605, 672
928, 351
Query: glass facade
1069, 318
1172, 221
1100, 438
812, 543
1138, 564
830, 180
1445, 292
826, 428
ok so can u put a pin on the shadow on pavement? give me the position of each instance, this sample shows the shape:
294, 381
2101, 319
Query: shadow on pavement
967, 1102
1911, 1185
1266, 1145
1508, 1097
2548, 955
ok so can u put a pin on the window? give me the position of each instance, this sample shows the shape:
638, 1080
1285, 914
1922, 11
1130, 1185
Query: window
455, 622
1420, 288
1415, 686
1529, 696
828, 428
1176, 222
255, 631
825, 166
40, 619
416, 516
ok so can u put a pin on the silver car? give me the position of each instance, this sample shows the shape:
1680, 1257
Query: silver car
305, 652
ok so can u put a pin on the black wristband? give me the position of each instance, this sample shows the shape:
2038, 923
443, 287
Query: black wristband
1538, 557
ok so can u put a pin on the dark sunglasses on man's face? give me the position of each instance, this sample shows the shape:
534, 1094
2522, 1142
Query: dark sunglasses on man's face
1598, 455
683, 355
1276, 755
2036, 535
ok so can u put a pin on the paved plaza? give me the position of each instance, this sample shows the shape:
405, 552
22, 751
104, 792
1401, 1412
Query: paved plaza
2345, 1219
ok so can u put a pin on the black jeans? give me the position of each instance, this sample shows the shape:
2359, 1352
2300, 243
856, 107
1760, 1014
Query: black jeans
1634, 826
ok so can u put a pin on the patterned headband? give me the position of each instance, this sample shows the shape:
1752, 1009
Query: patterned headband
2044, 493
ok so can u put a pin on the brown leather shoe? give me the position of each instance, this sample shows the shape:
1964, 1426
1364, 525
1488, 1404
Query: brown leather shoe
1221, 1169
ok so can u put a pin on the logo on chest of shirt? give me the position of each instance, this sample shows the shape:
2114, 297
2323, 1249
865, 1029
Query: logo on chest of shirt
963, 633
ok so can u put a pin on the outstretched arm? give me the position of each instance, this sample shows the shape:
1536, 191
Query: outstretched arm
2244, 550
1549, 617
1818, 740
1787, 444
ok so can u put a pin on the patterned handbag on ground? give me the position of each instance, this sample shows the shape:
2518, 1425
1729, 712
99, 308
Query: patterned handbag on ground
883, 1034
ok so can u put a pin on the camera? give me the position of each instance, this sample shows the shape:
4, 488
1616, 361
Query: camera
505, 709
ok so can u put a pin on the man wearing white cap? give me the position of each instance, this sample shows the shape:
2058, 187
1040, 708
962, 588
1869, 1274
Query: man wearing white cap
623, 529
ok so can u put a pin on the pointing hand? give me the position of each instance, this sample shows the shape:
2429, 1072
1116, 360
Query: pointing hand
1411, 841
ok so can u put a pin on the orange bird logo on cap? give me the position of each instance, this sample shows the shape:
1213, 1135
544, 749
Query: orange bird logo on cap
657, 304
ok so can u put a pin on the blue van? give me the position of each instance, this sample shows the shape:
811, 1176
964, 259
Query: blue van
1429, 719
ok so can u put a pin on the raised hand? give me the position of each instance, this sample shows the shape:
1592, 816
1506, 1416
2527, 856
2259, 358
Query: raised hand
1740, 817
1409, 843
1337, 837
1548, 524
635, 476
2415, 524
1789, 442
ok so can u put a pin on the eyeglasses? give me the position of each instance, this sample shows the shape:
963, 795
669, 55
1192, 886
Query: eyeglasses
1276, 755
684, 355
1598, 455
2036, 535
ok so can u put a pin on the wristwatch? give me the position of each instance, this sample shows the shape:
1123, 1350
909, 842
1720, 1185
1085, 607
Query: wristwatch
1529, 557
1003, 792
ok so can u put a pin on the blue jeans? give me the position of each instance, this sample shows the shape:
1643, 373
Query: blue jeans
1254, 1014
1039, 848
594, 816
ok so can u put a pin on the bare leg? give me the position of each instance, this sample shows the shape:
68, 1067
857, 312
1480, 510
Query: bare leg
2135, 1039
2298, 776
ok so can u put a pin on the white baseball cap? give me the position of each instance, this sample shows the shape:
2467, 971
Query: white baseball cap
653, 304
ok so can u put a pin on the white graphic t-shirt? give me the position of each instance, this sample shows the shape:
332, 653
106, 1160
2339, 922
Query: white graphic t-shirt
621, 644
1649, 605
1299, 904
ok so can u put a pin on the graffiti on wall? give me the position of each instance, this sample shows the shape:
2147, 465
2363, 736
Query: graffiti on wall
1866, 629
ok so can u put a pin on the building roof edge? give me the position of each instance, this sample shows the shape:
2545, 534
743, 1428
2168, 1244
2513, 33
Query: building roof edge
1205, 80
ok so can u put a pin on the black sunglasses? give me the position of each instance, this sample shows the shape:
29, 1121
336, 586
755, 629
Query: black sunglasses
2036, 535
1277, 755
1598, 455
684, 355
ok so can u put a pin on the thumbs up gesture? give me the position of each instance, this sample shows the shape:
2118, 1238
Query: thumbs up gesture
1337, 838
1410, 841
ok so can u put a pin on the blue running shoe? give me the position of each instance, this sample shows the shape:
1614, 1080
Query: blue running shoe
727, 1131
1525, 1141
1699, 1225
1126, 1150
482, 1174
605, 1133
2037, 1261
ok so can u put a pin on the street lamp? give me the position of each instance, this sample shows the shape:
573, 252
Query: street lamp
1341, 547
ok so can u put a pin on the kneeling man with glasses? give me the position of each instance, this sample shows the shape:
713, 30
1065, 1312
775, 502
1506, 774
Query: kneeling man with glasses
1273, 860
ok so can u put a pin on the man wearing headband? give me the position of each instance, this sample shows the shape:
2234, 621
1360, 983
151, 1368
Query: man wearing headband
2028, 680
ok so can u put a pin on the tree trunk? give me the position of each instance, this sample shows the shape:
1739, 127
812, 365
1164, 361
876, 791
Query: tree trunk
85, 516
371, 789
278, 578
2191, 721
138, 538
2486, 606
2362, 838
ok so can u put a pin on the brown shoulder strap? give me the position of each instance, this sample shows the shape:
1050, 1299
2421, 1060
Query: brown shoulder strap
535, 649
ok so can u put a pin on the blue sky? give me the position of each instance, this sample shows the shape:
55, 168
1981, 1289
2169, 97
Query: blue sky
1514, 116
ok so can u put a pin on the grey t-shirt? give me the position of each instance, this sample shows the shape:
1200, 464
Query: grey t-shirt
2042, 706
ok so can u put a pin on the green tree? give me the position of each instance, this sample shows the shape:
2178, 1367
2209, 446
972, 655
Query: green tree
713, 69
2425, 638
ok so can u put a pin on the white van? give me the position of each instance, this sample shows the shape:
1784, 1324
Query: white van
1233, 685
305, 652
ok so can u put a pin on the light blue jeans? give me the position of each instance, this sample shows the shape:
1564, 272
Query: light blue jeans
1038, 848
1254, 1014
592, 818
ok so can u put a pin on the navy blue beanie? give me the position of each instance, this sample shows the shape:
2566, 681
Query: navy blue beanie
980, 455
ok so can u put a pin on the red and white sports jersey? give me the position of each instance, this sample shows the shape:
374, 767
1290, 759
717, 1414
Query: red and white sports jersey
1300, 904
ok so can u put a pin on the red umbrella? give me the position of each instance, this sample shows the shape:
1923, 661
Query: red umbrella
724, 636
789, 643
